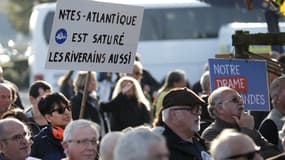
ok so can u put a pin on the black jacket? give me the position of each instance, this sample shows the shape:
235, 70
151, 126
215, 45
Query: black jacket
126, 112
269, 130
184, 150
46, 146
91, 108
92, 111
32, 124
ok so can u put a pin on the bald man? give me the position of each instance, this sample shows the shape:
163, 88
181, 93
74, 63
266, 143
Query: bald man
15, 143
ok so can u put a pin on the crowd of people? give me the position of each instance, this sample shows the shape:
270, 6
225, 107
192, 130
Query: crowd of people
139, 119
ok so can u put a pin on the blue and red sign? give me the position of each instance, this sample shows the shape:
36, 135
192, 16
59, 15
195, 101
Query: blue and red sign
248, 77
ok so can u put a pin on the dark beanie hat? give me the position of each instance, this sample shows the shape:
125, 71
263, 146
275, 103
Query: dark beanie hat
181, 97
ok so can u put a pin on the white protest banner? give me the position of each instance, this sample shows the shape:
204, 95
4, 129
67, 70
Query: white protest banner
89, 35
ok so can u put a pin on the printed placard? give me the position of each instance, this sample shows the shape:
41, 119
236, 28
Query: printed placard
248, 77
89, 35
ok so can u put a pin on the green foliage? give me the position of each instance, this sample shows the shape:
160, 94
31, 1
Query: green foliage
17, 72
19, 13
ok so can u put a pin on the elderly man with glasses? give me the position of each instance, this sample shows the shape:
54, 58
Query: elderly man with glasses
80, 140
181, 110
57, 111
227, 108
15, 142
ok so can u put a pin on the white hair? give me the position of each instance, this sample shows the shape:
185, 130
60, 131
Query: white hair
107, 145
205, 81
275, 86
216, 98
80, 123
135, 144
165, 114
222, 146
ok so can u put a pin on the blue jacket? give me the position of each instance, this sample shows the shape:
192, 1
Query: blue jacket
46, 146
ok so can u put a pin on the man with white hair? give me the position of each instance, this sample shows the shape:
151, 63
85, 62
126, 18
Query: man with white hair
141, 144
181, 117
15, 143
108, 144
80, 140
227, 108
231, 144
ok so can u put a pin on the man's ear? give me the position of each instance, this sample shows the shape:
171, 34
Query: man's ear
219, 108
32, 99
65, 145
48, 117
276, 99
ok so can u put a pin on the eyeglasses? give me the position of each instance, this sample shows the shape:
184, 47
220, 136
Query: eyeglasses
248, 155
18, 137
85, 142
196, 110
235, 99
61, 109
